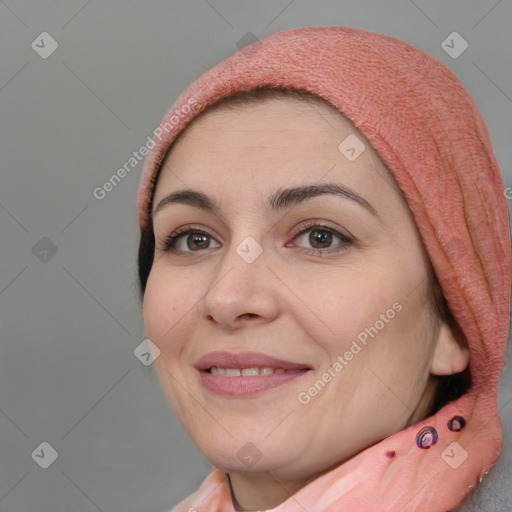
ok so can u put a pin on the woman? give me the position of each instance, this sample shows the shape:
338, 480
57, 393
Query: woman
325, 270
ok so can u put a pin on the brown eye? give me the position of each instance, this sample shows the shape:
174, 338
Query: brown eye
321, 237
197, 241
194, 241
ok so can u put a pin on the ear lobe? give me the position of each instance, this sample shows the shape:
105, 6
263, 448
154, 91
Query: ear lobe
450, 355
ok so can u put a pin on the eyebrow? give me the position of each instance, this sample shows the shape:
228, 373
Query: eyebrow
283, 198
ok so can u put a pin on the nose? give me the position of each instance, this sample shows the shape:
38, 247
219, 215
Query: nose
240, 291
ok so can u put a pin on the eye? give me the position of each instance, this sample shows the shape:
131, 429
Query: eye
321, 237
200, 240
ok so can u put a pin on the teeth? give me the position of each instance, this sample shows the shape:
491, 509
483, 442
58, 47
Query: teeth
248, 372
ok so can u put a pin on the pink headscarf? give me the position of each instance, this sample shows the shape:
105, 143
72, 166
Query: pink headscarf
427, 130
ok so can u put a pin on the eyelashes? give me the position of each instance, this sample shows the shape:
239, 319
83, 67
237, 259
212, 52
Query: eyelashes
319, 234
317, 228
170, 241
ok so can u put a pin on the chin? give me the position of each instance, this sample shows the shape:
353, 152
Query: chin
245, 455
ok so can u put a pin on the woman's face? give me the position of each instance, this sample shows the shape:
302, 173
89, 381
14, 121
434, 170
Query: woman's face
332, 286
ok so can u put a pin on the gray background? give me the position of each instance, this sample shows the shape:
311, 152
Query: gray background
71, 320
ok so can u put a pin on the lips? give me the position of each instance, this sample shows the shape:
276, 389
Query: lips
246, 360
247, 373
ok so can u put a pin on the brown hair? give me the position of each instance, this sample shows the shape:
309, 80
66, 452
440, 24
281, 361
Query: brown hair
447, 387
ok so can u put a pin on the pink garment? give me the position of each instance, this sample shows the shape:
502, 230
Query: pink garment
426, 128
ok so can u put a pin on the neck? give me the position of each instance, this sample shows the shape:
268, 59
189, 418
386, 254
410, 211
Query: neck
251, 492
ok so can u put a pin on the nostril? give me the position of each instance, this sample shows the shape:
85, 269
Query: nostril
248, 315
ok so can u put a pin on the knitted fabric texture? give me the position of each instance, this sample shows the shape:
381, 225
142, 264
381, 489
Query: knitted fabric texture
429, 133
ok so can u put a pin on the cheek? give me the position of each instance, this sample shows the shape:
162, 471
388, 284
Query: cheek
340, 307
164, 311
370, 315
393, 365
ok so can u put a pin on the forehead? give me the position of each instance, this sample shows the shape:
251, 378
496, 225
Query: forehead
270, 143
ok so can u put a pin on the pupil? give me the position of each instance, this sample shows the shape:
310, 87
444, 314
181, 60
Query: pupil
322, 237
195, 240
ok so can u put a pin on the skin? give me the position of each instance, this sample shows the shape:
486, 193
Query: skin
305, 308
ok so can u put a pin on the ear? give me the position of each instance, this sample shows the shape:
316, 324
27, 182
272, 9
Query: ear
450, 355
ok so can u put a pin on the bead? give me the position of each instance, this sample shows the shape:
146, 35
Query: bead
456, 424
426, 438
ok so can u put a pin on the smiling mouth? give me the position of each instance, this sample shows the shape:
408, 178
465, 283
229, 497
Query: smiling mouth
241, 374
